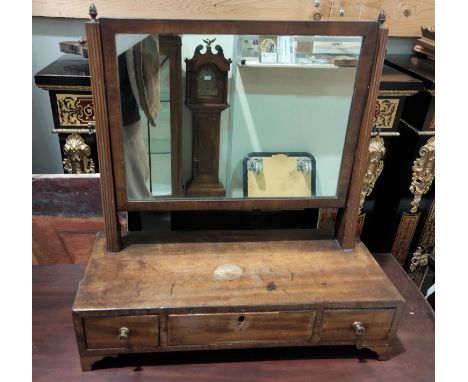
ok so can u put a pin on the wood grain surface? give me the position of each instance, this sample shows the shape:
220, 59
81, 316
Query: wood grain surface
62, 240
177, 270
336, 324
194, 329
347, 218
404, 18
103, 332
67, 214
109, 210
55, 355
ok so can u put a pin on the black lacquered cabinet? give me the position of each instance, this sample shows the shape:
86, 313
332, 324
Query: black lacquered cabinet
68, 82
404, 208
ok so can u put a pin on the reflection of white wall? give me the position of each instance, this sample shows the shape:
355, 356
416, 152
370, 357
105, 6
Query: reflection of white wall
292, 109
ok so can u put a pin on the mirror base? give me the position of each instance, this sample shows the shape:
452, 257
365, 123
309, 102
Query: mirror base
195, 188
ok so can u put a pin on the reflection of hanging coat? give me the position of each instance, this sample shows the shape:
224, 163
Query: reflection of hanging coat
139, 90
143, 63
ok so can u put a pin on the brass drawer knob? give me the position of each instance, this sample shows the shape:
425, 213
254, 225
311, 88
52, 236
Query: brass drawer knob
359, 328
123, 334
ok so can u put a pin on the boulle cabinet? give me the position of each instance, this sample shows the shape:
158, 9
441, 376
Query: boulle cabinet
68, 83
303, 87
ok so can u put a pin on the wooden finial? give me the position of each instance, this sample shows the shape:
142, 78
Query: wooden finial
93, 12
381, 19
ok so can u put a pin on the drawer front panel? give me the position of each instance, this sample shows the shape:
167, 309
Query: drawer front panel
198, 329
338, 324
104, 332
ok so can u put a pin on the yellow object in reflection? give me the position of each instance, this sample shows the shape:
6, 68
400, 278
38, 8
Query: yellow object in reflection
280, 177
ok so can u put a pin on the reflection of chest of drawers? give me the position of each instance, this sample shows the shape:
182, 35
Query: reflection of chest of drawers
68, 83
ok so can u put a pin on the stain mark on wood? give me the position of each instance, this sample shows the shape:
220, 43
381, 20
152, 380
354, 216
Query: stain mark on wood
271, 286
228, 272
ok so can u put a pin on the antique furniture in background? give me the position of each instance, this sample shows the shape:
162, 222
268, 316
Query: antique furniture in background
206, 97
69, 86
215, 290
411, 207
397, 89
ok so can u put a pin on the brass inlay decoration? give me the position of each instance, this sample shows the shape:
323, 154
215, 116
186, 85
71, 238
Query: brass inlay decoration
75, 109
404, 236
375, 166
90, 130
327, 218
77, 88
418, 266
427, 240
385, 112
386, 134
397, 93
414, 130
77, 156
431, 92
423, 173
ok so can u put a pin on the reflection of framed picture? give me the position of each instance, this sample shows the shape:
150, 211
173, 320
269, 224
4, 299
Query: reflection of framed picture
279, 174
268, 49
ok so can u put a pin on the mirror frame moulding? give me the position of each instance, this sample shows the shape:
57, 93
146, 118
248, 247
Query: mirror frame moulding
110, 105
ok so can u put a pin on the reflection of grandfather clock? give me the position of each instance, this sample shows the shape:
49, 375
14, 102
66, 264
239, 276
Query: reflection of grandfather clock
207, 83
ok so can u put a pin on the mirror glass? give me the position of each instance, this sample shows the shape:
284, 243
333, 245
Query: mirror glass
234, 116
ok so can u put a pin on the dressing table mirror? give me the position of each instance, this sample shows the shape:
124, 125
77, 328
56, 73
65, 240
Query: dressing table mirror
233, 115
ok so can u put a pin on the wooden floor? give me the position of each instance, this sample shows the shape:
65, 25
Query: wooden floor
55, 355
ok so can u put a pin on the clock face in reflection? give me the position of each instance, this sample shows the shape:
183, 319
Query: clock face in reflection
206, 83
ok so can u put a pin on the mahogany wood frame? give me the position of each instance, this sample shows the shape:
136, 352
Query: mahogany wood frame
105, 85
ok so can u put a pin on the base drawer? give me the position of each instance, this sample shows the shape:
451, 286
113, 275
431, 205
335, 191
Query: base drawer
198, 329
121, 332
352, 324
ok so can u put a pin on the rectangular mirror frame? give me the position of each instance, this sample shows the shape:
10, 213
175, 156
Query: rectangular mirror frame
111, 122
